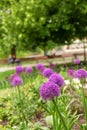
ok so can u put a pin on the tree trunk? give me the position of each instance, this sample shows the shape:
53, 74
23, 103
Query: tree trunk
13, 52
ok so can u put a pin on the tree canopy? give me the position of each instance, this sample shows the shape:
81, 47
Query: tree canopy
33, 23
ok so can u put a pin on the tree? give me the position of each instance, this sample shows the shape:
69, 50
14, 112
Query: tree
33, 23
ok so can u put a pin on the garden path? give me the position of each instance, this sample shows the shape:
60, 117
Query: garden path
6, 68
45, 63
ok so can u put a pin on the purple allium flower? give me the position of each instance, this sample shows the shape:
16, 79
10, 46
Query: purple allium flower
57, 79
16, 81
51, 65
19, 69
12, 76
28, 70
70, 72
81, 73
49, 90
76, 61
47, 72
40, 67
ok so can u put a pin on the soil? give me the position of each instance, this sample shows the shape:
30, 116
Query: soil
3, 123
39, 117
81, 120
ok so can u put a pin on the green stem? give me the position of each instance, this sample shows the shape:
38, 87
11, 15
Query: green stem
19, 94
54, 123
77, 67
56, 120
61, 117
56, 116
21, 107
84, 103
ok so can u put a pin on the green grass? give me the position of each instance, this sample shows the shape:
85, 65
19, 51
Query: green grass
4, 93
5, 74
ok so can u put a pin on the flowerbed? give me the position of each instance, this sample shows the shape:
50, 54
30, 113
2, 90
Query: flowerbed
44, 98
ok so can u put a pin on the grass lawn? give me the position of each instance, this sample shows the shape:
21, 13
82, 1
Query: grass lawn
5, 74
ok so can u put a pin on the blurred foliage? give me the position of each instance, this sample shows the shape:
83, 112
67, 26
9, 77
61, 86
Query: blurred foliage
33, 23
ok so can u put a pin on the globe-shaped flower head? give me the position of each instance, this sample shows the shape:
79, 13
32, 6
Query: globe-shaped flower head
19, 69
57, 79
28, 70
80, 74
40, 67
49, 90
16, 81
70, 72
76, 61
51, 65
12, 76
47, 72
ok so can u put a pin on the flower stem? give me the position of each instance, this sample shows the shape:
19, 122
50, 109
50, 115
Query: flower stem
84, 103
54, 123
21, 105
61, 117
